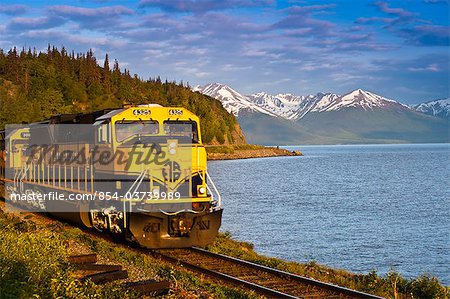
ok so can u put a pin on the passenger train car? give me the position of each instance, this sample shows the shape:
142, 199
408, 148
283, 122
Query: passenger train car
138, 172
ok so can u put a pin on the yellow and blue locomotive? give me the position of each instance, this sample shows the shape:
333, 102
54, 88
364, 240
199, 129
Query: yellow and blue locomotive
139, 172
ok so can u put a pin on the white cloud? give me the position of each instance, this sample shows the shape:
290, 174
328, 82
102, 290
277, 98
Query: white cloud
429, 68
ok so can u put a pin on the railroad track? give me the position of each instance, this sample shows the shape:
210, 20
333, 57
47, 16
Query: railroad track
263, 280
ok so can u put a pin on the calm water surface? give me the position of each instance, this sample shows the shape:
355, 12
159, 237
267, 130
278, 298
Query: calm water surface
358, 208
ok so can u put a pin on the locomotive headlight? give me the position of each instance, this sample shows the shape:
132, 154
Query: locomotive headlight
172, 147
201, 190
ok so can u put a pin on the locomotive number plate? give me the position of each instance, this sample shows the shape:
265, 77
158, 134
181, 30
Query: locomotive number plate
141, 112
175, 112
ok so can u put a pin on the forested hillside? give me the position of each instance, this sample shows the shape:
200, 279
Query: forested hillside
36, 85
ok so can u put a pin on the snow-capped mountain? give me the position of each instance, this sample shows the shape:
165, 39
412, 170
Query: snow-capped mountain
293, 107
360, 99
439, 108
284, 105
290, 106
359, 116
231, 100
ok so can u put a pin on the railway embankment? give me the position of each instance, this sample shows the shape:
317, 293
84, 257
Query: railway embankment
34, 253
246, 151
34, 263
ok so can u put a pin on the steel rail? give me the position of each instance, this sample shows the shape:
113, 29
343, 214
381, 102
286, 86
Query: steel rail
225, 277
260, 289
280, 273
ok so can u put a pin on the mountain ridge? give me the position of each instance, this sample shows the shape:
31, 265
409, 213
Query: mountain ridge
439, 108
231, 100
359, 116
294, 107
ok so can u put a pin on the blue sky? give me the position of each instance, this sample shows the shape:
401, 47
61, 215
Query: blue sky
399, 49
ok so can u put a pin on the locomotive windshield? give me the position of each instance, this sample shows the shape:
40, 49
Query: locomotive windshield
181, 128
127, 129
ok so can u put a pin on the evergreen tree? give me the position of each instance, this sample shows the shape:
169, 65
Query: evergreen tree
106, 75
35, 86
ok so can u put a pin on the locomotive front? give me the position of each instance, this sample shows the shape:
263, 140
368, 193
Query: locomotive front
170, 203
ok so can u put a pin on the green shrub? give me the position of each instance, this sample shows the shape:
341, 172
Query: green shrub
428, 287
33, 264
29, 261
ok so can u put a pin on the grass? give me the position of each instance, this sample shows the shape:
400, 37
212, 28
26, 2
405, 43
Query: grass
390, 285
33, 264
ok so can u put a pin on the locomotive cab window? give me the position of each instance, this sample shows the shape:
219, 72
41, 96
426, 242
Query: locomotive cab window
128, 129
181, 128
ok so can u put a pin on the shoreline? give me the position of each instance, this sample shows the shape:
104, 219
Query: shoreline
27, 229
236, 152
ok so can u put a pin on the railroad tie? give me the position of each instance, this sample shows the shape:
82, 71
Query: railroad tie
101, 273
149, 287
106, 276
98, 267
97, 273
83, 259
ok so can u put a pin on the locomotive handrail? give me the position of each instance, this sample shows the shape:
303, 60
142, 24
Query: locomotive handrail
219, 197
21, 175
16, 175
136, 184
